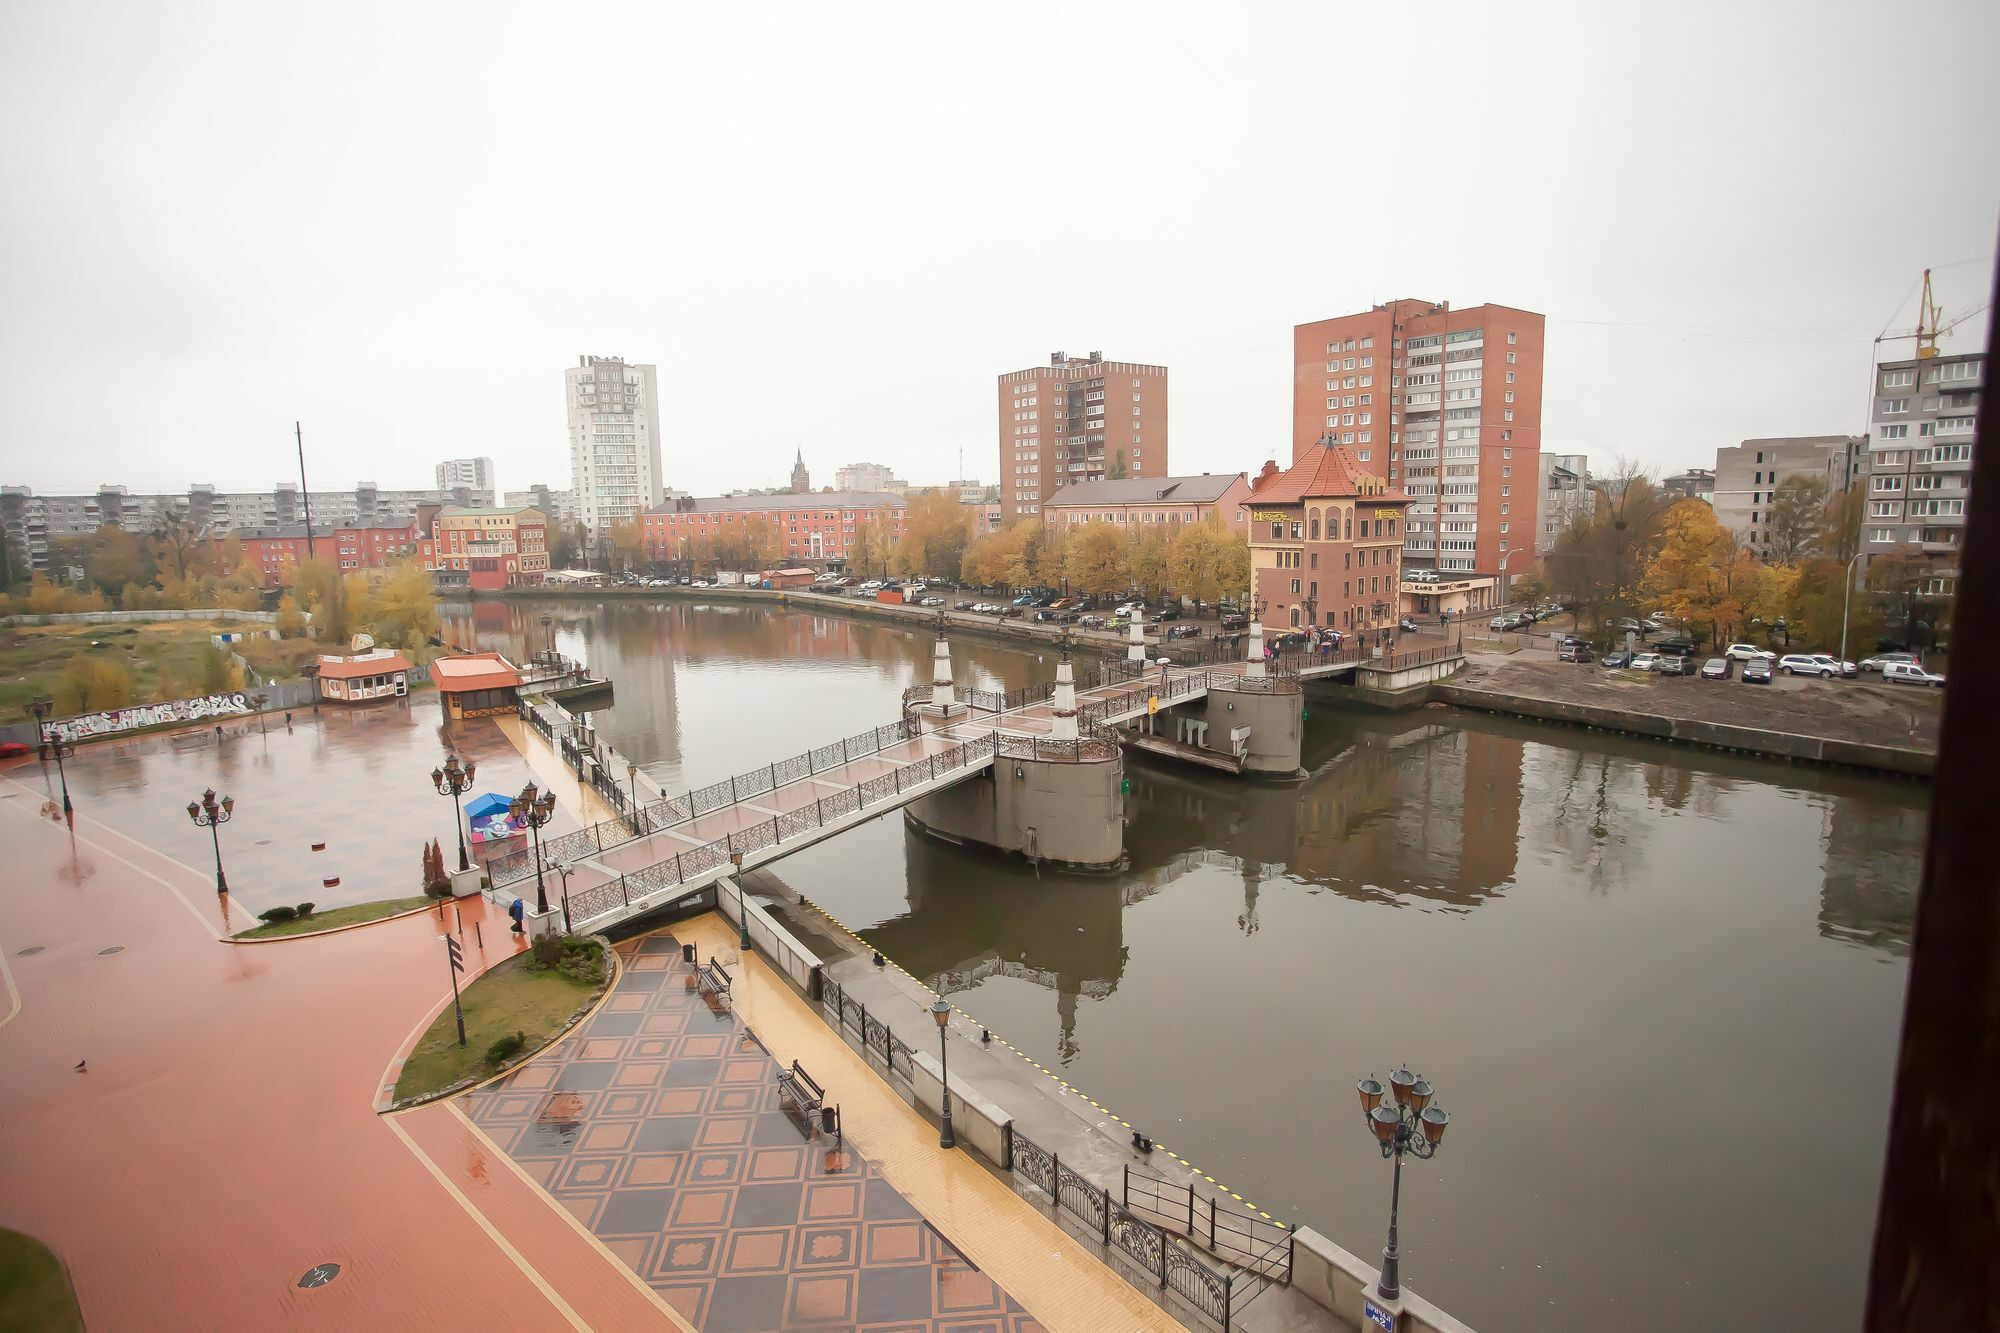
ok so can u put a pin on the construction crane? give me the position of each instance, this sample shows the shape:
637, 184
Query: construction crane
1931, 324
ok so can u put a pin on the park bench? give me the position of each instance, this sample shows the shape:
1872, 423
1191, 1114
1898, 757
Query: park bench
805, 1092
714, 980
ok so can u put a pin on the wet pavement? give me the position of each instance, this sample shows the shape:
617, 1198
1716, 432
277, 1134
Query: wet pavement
659, 1124
357, 779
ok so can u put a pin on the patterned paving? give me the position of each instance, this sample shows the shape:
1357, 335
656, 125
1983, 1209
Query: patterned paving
660, 1126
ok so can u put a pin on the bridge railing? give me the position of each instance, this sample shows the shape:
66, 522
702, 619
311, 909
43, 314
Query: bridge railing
671, 872
666, 813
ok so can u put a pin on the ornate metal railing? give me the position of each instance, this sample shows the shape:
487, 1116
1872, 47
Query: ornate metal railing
637, 885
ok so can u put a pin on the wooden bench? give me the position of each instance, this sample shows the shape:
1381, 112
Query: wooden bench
713, 978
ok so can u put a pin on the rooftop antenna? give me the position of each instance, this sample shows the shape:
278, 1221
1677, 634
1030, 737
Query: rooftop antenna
305, 496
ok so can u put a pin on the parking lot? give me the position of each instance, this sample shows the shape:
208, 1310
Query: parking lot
1864, 709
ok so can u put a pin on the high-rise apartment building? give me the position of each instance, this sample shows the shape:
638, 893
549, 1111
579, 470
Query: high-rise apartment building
1447, 406
553, 504
614, 440
1078, 419
1566, 497
866, 477
1920, 445
1747, 476
474, 474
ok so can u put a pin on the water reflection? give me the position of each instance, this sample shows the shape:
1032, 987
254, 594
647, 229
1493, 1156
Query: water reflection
1711, 941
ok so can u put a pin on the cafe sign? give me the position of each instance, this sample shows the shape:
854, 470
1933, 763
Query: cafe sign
1271, 516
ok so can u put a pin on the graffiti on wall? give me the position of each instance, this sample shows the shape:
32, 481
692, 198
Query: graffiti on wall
86, 725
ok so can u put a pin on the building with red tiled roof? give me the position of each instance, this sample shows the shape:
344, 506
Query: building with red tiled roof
1326, 537
476, 685
381, 674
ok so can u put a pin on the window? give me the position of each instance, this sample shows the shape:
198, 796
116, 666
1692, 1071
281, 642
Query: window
1295, 593
1510, 358
1888, 483
1895, 432
1513, 337
1891, 406
1882, 535
1898, 379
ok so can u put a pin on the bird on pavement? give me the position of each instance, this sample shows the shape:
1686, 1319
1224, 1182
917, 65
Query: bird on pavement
80, 1066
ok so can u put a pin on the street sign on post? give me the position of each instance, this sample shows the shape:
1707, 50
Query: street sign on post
456, 956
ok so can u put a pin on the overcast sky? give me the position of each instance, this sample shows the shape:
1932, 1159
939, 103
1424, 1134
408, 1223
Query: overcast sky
831, 227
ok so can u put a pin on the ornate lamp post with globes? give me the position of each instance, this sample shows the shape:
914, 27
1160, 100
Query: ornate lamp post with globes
1412, 1125
208, 813
535, 809
53, 742
941, 1011
454, 781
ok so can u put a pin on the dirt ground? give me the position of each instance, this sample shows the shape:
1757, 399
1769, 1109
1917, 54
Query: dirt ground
1863, 710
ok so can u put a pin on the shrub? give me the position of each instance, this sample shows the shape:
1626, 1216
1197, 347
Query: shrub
276, 914
582, 961
548, 952
305, 909
506, 1048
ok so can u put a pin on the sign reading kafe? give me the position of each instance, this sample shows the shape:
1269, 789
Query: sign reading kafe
115, 720
1271, 516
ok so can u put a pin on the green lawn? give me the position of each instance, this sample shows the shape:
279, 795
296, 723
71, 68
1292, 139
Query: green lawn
513, 997
33, 656
35, 1295
334, 917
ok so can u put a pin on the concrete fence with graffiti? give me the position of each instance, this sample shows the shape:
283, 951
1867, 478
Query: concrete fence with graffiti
129, 617
113, 720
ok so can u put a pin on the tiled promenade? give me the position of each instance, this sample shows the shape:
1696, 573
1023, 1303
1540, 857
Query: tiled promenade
222, 1140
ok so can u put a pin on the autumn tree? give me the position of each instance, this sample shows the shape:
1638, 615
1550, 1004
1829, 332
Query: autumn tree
1198, 564
1840, 524
1898, 579
1793, 522
1025, 541
627, 543
1096, 559
1698, 575
1117, 471
937, 530
291, 621
89, 684
175, 543
322, 590
1600, 563
1822, 602
1149, 562
1771, 596
402, 611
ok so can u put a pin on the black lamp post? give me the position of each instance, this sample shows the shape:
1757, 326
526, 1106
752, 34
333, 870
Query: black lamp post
549, 637
632, 780
536, 810
1412, 1125
742, 916
941, 1012
53, 742
208, 813
454, 781
563, 868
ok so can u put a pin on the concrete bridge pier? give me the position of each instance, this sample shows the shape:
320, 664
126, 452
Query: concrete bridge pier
1066, 811
1267, 724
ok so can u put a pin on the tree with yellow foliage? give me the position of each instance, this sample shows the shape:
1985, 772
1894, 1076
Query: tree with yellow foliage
1699, 575
1096, 560
937, 529
1149, 562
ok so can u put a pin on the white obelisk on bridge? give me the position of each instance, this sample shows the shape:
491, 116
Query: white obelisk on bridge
1137, 652
1064, 699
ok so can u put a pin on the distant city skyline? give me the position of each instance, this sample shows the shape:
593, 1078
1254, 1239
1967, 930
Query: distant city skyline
407, 310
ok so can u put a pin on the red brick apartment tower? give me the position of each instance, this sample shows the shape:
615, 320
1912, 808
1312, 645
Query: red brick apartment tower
1447, 402
1078, 419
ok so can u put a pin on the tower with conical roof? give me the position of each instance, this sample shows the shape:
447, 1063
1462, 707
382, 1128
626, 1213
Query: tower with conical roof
801, 482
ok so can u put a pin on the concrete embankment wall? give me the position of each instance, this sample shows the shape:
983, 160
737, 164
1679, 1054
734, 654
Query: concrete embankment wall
1072, 813
1694, 731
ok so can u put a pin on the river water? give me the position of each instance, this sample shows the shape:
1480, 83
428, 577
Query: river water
1657, 989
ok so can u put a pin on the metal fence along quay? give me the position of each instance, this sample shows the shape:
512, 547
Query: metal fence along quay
1160, 1251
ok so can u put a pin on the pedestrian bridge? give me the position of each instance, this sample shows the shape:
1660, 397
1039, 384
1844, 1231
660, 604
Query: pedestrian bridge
656, 854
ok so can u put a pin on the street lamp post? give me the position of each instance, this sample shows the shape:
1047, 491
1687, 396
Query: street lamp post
535, 809
549, 637
454, 781
208, 813
1412, 1126
1846, 596
55, 743
742, 916
632, 780
563, 868
941, 1012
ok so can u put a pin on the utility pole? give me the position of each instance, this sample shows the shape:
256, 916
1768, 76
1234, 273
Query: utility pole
305, 496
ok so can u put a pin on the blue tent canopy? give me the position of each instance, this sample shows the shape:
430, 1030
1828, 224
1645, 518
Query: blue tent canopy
487, 805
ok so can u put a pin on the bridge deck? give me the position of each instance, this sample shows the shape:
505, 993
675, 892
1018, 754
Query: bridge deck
687, 842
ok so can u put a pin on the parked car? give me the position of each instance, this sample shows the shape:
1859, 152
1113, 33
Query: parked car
1881, 660
873, 585
1009, 612
931, 601
1645, 661
1808, 664
1092, 622
1638, 627
1574, 651
1044, 616
1617, 660
1847, 669
1184, 632
1501, 623
1748, 652
1757, 671
1166, 613
1715, 668
961, 606
1675, 664
12, 749
1407, 625
1909, 673
1235, 622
